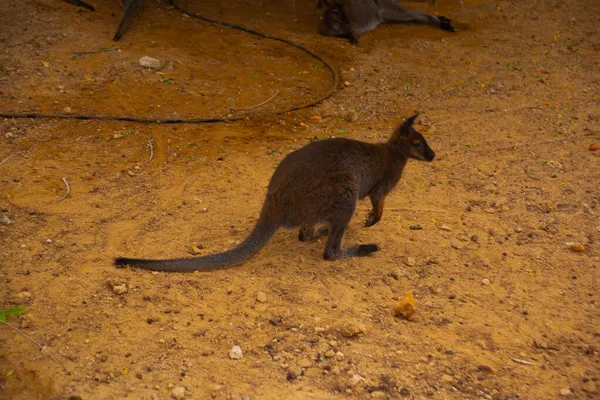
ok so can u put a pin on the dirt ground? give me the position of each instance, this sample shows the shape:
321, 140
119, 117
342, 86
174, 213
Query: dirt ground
505, 308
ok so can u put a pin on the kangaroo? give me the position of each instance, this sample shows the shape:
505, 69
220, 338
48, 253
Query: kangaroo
317, 188
351, 18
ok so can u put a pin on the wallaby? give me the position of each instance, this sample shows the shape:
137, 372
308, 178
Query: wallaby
317, 188
351, 18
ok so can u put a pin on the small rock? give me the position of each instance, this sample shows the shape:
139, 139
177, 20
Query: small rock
485, 282
485, 368
456, 244
4, 220
593, 147
577, 247
120, 289
410, 261
178, 392
349, 328
445, 228
378, 394
236, 353
352, 117
339, 356
489, 210
261, 297
304, 363
474, 238
447, 378
149, 62
355, 380
565, 392
293, 372
24, 295
415, 227
67, 110
330, 353
346, 83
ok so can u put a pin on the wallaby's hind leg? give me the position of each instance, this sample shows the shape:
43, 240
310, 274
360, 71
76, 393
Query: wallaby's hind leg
391, 11
334, 251
81, 4
311, 232
342, 213
131, 9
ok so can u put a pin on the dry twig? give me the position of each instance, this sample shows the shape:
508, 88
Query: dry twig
68, 189
524, 362
258, 105
151, 150
42, 348
6, 159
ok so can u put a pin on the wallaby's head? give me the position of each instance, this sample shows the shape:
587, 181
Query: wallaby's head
335, 20
407, 142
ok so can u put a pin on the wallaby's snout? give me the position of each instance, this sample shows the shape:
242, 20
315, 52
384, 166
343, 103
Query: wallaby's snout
429, 154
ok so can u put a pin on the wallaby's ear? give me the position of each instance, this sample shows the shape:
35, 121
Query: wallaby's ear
404, 129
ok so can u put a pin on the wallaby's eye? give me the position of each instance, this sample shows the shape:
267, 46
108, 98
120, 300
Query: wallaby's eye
417, 144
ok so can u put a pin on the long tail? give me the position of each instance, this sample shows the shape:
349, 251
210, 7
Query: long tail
255, 241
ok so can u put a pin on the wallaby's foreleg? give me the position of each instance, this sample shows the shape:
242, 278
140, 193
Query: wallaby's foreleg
375, 214
311, 232
391, 11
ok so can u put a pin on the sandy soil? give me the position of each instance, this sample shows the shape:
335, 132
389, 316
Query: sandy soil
505, 309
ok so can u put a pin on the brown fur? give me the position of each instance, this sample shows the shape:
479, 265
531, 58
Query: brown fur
317, 188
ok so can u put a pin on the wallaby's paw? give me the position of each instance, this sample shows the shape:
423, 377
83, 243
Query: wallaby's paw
446, 24
371, 220
367, 249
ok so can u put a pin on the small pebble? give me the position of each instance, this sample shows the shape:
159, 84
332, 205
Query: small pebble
355, 380
236, 353
330, 353
410, 261
485, 282
261, 297
4, 220
445, 228
565, 392
455, 244
304, 363
339, 356
577, 247
293, 372
120, 289
593, 147
24, 295
48, 240
346, 83
178, 392
415, 227
349, 328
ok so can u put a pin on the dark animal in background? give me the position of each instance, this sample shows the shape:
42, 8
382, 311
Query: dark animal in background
352, 18
317, 188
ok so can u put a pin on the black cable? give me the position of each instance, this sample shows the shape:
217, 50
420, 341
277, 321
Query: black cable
200, 120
